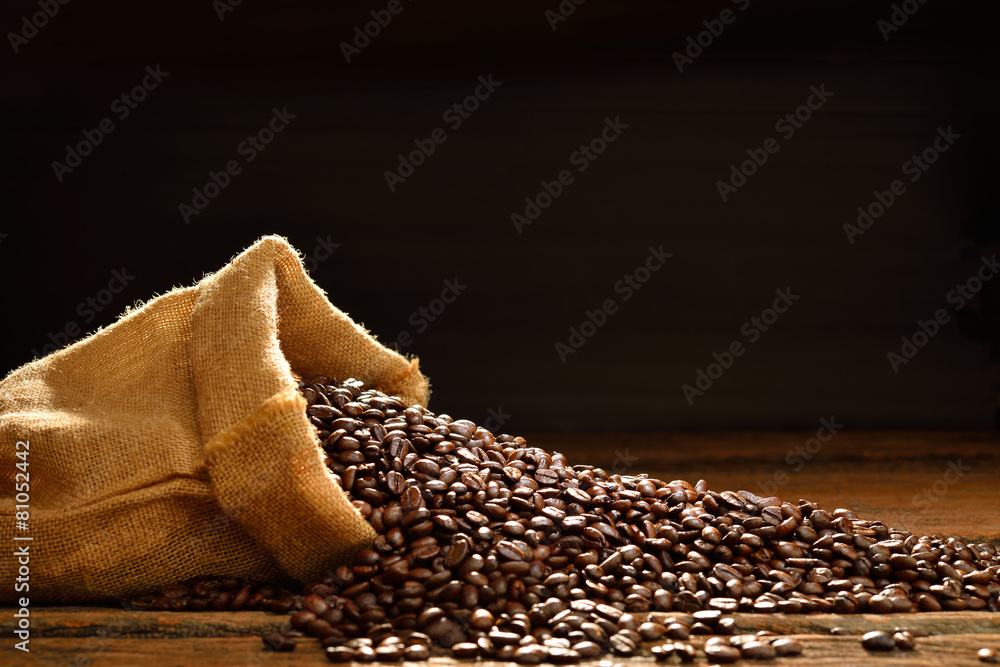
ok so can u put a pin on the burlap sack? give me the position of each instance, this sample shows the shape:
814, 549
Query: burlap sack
174, 443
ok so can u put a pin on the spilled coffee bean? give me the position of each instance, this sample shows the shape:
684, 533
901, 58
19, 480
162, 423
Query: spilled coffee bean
492, 548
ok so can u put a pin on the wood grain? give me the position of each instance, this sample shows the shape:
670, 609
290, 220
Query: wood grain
835, 651
70, 622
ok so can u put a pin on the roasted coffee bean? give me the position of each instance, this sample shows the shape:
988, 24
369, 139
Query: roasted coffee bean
588, 649
563, 656
904, 640
988, 656
500, 550
339, 654
877, 641
532, 654
416, 652
786, 646
685, 652
364, 654
916, 632
465, 650
663, 652
722, 653
757, 650
390, 653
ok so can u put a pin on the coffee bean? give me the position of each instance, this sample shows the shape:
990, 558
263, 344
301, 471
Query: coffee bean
904, 641
756, 650
685, 652
484, 541
339, 654
916, 632
588, 649
877, 641
280, 643
650, 631
563, 656
390, 653
722, 653
988, 655
622, 645
786, 646
175, 591
501, 638
532, 654
364, 654
465, 650
416, 652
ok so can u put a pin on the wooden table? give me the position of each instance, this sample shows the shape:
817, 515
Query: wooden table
881, 475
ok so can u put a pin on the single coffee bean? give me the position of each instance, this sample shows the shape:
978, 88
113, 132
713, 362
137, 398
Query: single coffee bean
339, 654
722, 653
877, 641
786, 646
364, 654
465, 650
416, 652
532, 654
756, 650
904, 641
988, 655
563, 656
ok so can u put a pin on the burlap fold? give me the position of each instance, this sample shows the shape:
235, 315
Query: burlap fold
174, 443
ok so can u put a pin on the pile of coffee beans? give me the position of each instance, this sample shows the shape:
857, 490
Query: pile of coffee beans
492, 548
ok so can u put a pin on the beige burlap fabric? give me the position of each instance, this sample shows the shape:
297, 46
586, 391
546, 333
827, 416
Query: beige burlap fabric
174, 443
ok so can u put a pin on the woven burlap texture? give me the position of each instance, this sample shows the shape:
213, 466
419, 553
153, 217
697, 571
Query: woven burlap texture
174, 443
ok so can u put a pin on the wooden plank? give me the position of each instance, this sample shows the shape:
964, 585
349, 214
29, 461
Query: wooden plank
100, 622
819, 650
68, 622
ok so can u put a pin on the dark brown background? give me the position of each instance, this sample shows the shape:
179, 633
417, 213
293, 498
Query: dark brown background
323, 177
